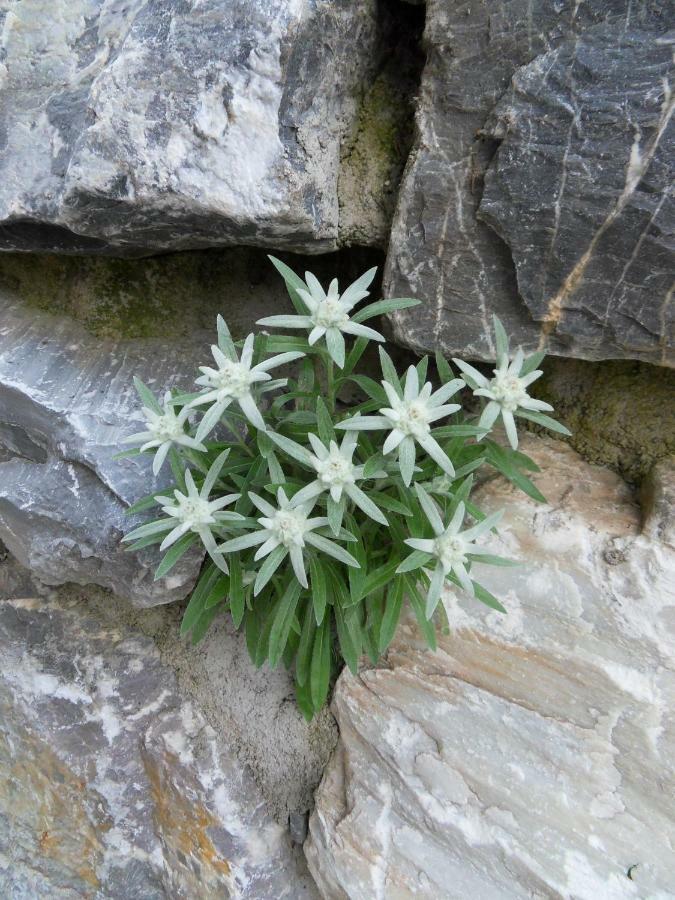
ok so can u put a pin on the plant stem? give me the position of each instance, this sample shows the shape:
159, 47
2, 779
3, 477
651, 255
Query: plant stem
329, 385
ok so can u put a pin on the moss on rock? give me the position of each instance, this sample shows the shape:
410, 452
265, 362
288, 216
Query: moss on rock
621, 413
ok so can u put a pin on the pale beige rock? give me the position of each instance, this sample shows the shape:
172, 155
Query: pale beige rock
532, 755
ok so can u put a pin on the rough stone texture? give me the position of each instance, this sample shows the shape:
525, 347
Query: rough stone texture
255, 708
66, 401
111, 785
621, 413
578, 188
377, 144
531, 755
144, 126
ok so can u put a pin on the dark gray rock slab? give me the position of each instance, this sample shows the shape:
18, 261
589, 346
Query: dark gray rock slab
111, 785
147, 126
500, 78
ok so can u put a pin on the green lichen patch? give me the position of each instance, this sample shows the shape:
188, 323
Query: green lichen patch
621, 413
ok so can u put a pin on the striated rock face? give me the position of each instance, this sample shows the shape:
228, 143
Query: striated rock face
529, 756
149, 126
111, 785
551, 125
66, 401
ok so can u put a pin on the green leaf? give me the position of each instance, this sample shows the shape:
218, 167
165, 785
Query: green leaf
200, 594
532, 362
324, 422
335, 513
306, 382
486, 597
203, 622
498, 457
453, 431
370, 388
319, 592
293, 282
144, 503
303, 697
291, 448
373, 464
382, 307
147, 397
320, 665
392, 613
174, 553
268, 568
157, 527
490, 560
390, 503
445, 373
354, 355
304, 655
419, 608
237, 594
219, 592
348, 648
264, 443
378, 578
501, 338
415, 560
422, 367
283, 620
274, 468
125, 454
544, 420
389, 371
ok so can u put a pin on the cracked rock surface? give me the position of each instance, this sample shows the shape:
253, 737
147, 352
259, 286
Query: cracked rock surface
151, 125
529, 755
111, 783
539, 184
67, 400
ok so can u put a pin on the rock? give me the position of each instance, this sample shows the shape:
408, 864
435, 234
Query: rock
621, 413
255, 708
111, 784
153, 126
577, 190
66, 402
530, 755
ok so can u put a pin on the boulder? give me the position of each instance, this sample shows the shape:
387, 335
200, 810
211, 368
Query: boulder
531, 754
537, 189
67, 400
150, 126
111, 783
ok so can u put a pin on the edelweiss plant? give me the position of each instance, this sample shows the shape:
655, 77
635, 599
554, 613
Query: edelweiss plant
338, 514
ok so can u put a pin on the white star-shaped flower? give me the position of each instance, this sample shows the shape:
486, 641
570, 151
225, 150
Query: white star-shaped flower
410, 418
194, 511
164, 429
234, 380
283, 531
506, 392
450, 547
337, 474
328, 314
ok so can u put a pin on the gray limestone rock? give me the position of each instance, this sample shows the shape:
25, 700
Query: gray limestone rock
147, 126
577, 191
529, 756
111, 785
66, 402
